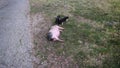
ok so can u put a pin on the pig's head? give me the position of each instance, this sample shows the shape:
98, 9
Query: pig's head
49, 37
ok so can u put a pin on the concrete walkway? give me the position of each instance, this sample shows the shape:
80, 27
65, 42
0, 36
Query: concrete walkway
15, 46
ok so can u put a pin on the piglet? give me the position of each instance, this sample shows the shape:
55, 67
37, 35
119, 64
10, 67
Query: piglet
54, 33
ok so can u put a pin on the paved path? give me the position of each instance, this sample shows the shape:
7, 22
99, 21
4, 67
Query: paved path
15, 46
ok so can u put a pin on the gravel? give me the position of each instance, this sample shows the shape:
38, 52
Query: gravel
3, 3
15, 40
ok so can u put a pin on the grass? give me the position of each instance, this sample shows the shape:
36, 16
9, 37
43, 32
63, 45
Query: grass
92, 44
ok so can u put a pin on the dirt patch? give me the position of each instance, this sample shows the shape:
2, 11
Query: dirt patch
44, 51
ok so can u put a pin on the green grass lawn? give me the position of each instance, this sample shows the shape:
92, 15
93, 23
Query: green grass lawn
92, 34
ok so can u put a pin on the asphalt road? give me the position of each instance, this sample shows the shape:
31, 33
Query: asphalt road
15, 43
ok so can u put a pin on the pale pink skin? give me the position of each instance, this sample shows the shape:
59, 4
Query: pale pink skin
55, 30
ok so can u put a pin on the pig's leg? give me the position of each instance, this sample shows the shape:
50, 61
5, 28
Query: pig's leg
54, 39
61, 27
61, 30
59, 40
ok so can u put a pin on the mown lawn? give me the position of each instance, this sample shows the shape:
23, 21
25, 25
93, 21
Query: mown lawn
92, 34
